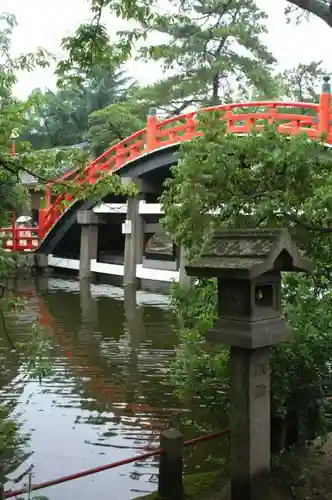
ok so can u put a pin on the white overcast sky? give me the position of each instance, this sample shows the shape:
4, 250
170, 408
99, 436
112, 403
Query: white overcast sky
45, 22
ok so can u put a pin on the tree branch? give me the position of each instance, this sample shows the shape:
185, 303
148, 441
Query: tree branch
14, 169
305, 225
319, 8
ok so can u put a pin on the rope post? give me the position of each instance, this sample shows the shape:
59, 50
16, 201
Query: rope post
170, 485
324, 107
151, 129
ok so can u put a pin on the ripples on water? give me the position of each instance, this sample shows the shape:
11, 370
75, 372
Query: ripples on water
109, 395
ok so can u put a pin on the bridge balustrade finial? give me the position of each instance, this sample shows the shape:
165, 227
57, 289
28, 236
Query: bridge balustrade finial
326, 87
152, 111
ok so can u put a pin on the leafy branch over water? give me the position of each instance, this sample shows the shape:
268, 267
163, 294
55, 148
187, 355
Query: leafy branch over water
32, 358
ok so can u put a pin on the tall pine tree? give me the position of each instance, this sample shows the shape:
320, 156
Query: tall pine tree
89, 44
209, 48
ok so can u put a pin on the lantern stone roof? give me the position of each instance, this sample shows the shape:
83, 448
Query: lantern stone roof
248, 253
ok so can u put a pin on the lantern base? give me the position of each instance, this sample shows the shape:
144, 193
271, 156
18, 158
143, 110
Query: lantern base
249, 334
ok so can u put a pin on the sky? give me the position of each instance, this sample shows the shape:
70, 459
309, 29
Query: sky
43, 23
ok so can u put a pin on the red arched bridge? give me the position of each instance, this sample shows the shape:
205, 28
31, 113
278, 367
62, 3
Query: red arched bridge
313, 119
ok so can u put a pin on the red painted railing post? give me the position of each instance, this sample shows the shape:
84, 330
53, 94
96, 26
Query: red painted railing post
48, 196
151, 129
41, 221
324, 107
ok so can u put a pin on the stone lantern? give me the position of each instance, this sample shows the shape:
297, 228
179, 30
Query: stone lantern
248, 266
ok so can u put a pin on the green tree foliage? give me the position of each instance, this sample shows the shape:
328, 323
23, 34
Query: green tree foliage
210, 51
302, 82
114, 123
11, 441
61, 118
56, 119
90, 44
13, 113
206, 49
43, 165
209, 48
16, 118
258, 180
319, 8
14, 195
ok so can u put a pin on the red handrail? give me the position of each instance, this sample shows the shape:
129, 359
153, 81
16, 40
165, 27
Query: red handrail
137, 143
238, 117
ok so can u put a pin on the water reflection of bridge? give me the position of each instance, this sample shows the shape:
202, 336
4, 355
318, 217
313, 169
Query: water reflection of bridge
89, 360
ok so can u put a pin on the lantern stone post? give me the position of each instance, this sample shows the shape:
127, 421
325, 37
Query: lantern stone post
248, 266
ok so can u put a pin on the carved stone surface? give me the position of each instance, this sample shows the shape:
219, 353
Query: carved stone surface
250, 418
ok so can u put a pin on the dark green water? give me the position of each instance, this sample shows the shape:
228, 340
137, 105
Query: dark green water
109, 395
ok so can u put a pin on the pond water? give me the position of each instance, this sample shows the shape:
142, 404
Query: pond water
110, 392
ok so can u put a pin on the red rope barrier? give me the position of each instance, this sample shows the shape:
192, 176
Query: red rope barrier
199, 439
88, 472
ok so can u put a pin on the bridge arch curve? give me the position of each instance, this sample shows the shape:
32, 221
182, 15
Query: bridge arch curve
152, 167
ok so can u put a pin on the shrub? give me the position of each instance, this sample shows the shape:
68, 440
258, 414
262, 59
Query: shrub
260, 180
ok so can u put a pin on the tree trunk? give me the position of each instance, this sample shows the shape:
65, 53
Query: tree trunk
284, 432
215, 90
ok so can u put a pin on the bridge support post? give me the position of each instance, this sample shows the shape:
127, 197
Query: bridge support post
89, 309
88, 221
133, 228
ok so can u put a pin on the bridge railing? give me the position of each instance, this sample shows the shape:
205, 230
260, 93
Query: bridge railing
20, 239
290, 118
119, 154
239, 120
